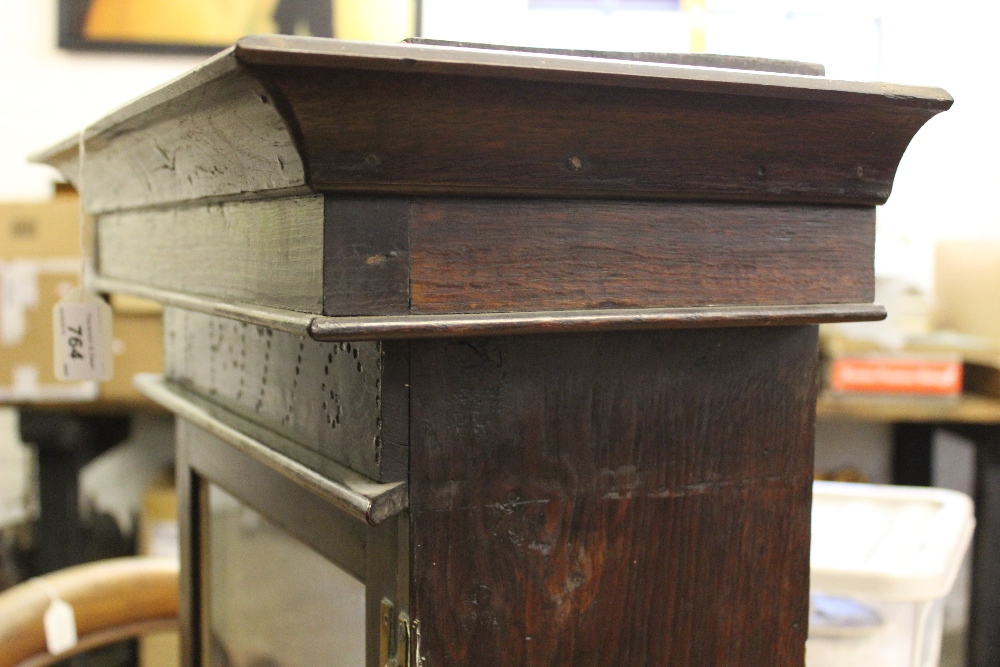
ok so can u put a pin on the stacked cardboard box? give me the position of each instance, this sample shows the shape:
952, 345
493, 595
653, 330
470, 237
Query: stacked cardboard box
39, 262
967, 287
967, 295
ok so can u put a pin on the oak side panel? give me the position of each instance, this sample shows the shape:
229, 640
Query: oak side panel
504, 255
410, 133
265, 252
613, 499
216, 132
343, 403
366, 268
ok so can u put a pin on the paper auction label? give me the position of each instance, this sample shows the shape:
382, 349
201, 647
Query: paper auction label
82, 337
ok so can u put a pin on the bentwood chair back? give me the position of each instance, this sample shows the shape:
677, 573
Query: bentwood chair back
112, 600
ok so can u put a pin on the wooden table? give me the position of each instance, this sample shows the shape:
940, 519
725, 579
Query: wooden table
914, 422
969, 409
522, 345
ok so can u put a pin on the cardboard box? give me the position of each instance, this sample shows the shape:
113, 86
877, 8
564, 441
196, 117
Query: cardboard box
138, 348
967, 287
39, 263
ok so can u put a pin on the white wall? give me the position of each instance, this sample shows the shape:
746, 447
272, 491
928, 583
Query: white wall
49, 94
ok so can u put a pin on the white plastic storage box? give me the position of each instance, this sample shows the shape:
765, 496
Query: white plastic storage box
883, 559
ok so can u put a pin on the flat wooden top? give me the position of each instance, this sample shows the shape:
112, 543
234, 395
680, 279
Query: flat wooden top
695, 59
311, 52
969, 409
286, 50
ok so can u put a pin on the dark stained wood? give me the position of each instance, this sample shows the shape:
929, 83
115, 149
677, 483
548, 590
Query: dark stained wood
511, 324
350, 492
279, 319
366, 266
385, 557
376, 555
601, 497
324, 398
287, 50
338, 537
276, 114
616, 499
474, 255
267, 252
214, 133
385, 328
406, 133
691, 59
394, 450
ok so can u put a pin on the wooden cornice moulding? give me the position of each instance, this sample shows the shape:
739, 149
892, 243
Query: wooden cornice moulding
464, 325
289, 115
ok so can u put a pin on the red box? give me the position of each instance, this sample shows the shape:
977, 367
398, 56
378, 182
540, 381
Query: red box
896, 375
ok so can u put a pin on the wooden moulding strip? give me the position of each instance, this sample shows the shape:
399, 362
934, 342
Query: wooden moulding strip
283, 320
411, 120
572, 321
355, 494
460, 325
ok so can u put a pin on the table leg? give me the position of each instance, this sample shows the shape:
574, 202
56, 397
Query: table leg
984, 618
912, 454
65, 443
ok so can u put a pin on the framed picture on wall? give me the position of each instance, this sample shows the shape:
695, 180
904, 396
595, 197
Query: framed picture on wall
206, 26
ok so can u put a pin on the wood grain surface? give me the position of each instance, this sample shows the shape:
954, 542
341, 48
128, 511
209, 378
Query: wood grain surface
265, 252
215, 133
366, 263
513, 255
281, 113
324, 398
349, 256
294, 51
968, 409
406, 133
613, 499
413, 327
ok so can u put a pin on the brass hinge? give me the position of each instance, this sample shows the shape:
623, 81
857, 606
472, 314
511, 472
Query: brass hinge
394, 647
